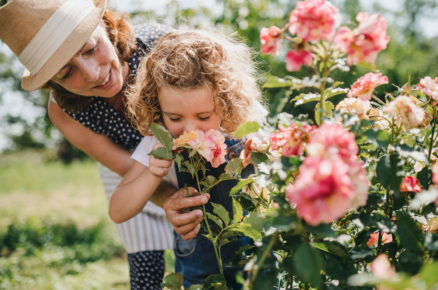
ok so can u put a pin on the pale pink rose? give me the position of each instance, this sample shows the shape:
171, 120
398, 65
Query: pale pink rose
295, 59
291, 141
364, 87
364, 42
269, 39
333, 140
429, 86
322, 191
410, 184
374, 239
215, 154
313, 20
435, 174
354, 106
381, 267
404, 111
210, 145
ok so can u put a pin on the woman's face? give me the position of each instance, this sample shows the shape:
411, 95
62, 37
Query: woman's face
95, 70
188, 109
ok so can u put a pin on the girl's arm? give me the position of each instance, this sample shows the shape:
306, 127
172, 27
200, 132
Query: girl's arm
97, 146
137, 187
132, 194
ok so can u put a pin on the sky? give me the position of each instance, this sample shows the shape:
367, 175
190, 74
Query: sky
14, 104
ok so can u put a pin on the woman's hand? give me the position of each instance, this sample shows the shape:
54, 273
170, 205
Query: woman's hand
159, 167
186, 222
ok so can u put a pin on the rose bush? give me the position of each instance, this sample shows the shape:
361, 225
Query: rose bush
346, 196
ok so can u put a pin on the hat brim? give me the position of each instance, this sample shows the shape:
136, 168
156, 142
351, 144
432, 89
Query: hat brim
66, 51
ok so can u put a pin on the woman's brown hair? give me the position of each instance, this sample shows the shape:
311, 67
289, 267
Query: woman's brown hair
121, 35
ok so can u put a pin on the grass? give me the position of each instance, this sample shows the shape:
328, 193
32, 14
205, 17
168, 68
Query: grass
54, 228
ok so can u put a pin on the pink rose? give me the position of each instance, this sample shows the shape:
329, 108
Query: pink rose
291, 141
374, 239
326, 189
363, 88
269, 39
354, 106
313, 20
322, 191
381, 267
333, 140
297, 58
405, 111
429, 86
364, 42
410, 184
210, 145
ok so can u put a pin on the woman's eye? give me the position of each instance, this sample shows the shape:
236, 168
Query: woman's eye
67, 74
91, 51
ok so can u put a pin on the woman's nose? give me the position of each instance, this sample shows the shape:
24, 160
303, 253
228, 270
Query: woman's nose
89, 69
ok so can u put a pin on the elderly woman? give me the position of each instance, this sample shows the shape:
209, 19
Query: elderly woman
87, 56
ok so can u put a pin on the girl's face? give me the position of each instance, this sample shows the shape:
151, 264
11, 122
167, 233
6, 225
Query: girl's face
95, 70
188, 109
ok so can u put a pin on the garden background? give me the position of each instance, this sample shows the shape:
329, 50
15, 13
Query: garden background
54, 229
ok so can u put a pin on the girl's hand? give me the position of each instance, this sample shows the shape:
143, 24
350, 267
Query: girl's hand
159, 167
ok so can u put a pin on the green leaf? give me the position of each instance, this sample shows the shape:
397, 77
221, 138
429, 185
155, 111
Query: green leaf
215, 219
425, 177
428, 274
162, 135
379, 138
161, 153
196, 287
389, 172
302, 99
215, 282
276, 82
257, 158
246, 128
237, 210
173, 281
221, 212
234, 166
332, 92
178, 159
308, 265
408, 232
240, 185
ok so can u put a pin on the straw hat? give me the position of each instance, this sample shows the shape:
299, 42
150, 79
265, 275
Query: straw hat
46, 34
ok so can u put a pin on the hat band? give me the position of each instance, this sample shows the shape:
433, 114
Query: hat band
53, 33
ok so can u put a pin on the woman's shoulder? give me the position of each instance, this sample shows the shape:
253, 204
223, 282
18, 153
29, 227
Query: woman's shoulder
150, 32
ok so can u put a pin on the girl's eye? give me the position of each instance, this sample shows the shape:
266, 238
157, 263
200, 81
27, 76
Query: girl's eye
204, 118
174, 119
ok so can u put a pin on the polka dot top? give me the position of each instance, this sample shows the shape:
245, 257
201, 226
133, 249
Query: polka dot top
100, 117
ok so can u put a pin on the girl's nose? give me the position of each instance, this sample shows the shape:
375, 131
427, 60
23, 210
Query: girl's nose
190, 126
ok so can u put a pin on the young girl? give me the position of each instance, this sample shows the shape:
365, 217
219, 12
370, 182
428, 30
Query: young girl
191, 80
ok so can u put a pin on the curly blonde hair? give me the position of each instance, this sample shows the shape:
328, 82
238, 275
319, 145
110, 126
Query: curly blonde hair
189, 60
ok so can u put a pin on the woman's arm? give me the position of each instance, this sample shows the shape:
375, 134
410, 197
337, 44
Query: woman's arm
97, 146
